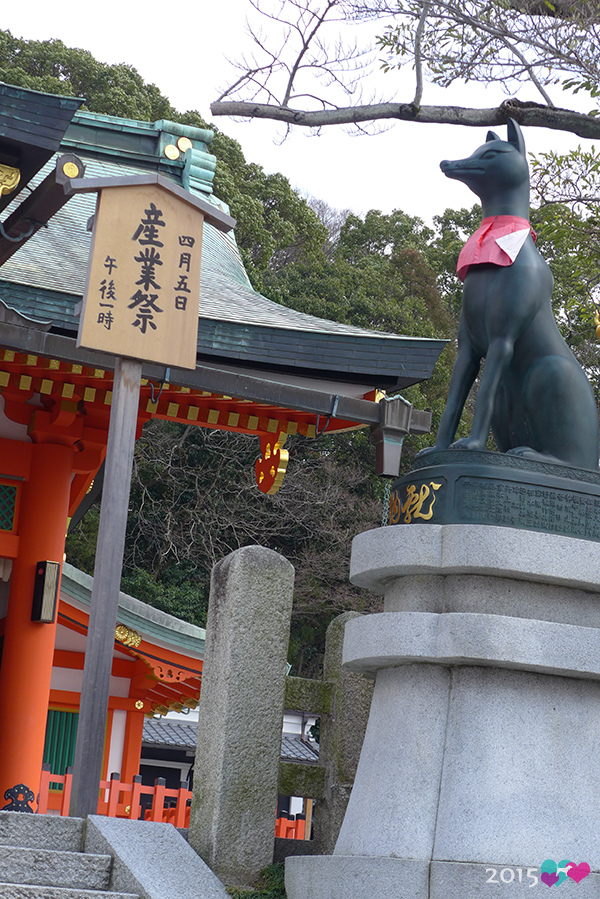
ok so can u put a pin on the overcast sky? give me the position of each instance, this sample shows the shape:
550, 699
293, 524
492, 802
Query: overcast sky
183, 48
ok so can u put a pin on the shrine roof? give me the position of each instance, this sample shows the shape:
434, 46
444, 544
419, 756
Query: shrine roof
45, 279
163, 654
167, 732
32, 125
154, 625
295, 749
177, 734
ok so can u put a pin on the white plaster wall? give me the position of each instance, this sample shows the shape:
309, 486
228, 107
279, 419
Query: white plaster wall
292, 724
117, 741
71, 679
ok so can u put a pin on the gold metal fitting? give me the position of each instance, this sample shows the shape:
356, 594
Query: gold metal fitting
127, 636
71, 170
9, 178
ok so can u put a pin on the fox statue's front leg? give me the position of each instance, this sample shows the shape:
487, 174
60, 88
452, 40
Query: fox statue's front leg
465, 370
497, 360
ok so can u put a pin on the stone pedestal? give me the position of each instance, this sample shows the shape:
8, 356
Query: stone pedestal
457, 486
482, 753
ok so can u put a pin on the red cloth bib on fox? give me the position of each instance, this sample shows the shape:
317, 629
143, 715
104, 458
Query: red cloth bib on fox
498, 239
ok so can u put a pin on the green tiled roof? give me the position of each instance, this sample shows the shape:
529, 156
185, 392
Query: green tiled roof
143, 143
35, 117
164, 629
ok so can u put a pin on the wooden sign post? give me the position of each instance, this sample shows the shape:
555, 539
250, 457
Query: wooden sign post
141, 303
95, 690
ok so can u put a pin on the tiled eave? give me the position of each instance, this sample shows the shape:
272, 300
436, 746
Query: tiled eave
31, 340
384, 361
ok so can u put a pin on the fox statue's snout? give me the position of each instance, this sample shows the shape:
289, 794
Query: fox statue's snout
453, 168
448, 166
462, 169
496, 166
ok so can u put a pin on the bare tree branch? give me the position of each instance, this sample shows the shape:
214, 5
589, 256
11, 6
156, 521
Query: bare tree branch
526, 67
533, 114
306, 41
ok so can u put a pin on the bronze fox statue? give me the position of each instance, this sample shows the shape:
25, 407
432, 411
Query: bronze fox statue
533, 393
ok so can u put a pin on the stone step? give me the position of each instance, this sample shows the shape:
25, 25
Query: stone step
37, 891
54, 868
41, 831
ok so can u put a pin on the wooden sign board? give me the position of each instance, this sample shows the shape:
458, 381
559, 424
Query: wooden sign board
143, 285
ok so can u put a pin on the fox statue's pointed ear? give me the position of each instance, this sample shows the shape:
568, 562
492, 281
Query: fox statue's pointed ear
491, 135
515, 136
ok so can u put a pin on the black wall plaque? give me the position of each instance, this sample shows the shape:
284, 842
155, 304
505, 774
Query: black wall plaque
45, 592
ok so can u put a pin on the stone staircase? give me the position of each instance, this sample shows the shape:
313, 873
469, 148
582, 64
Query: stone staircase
41, 857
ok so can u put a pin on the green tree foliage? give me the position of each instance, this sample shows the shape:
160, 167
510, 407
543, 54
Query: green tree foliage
51, 66
274, 223
566, 191
387, 273
453, 228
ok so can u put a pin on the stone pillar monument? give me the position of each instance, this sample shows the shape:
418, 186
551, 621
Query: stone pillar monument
232, 821
342, 735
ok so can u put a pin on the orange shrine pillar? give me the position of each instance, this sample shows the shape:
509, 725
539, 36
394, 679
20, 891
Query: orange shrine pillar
26, 667
132, 748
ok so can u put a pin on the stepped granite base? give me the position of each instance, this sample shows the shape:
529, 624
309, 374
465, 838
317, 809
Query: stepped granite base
481, 758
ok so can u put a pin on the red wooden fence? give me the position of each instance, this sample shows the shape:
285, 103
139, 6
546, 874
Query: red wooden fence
292, 827
137, 801
121, 800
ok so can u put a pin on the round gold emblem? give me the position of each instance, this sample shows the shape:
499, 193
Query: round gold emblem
139, 704
171, 151
71, 170
184, 143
